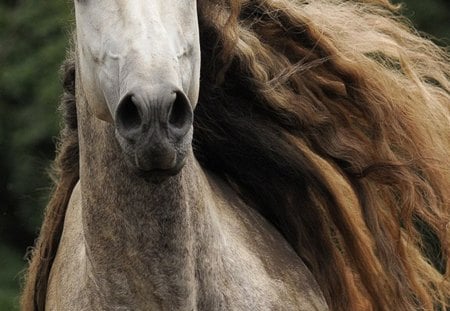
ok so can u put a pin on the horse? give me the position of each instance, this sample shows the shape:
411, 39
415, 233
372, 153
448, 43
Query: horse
314, 175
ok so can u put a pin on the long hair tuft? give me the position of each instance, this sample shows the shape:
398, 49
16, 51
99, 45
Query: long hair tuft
65, 174
332, 118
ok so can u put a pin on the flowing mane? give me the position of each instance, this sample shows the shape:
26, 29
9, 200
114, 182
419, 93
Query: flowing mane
332, 119
65, 174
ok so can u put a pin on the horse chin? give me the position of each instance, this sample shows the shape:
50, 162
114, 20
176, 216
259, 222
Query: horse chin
157, 176
152, 171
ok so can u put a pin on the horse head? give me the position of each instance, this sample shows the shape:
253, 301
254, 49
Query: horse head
139, 67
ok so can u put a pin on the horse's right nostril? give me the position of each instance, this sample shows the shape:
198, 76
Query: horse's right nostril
128, 116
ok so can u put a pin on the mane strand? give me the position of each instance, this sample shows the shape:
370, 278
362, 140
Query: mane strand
65, 177
306, 104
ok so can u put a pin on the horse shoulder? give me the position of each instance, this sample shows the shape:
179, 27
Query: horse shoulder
258, 260
68, 272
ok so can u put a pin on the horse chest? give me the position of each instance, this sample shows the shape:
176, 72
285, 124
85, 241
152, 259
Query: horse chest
240, 270
241, 283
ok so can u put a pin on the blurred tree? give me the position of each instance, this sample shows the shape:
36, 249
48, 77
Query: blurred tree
431, 17
33, 40
33, 43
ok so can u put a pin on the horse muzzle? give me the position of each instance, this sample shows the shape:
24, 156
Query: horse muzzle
154, 129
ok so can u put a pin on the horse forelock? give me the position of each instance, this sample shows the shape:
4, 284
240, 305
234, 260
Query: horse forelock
325, 126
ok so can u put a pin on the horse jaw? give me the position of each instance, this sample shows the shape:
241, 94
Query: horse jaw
127, 44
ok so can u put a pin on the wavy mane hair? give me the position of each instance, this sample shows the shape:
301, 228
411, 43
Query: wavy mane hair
332, 119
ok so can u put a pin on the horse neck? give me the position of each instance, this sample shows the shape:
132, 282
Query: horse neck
135, 230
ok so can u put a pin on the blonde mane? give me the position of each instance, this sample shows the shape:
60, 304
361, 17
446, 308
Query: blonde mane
332, 118
352, 111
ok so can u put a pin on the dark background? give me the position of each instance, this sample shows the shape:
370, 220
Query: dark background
33, 40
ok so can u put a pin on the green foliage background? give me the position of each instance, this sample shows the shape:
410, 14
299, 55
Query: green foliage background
34, 37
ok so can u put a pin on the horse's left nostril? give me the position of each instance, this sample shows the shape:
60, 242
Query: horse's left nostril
128, 117
180, 115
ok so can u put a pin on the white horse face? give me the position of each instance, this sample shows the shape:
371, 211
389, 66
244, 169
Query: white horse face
139, 64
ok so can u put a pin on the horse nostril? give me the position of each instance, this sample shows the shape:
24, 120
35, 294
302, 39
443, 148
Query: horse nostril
142, 111
128, 116
180, 115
